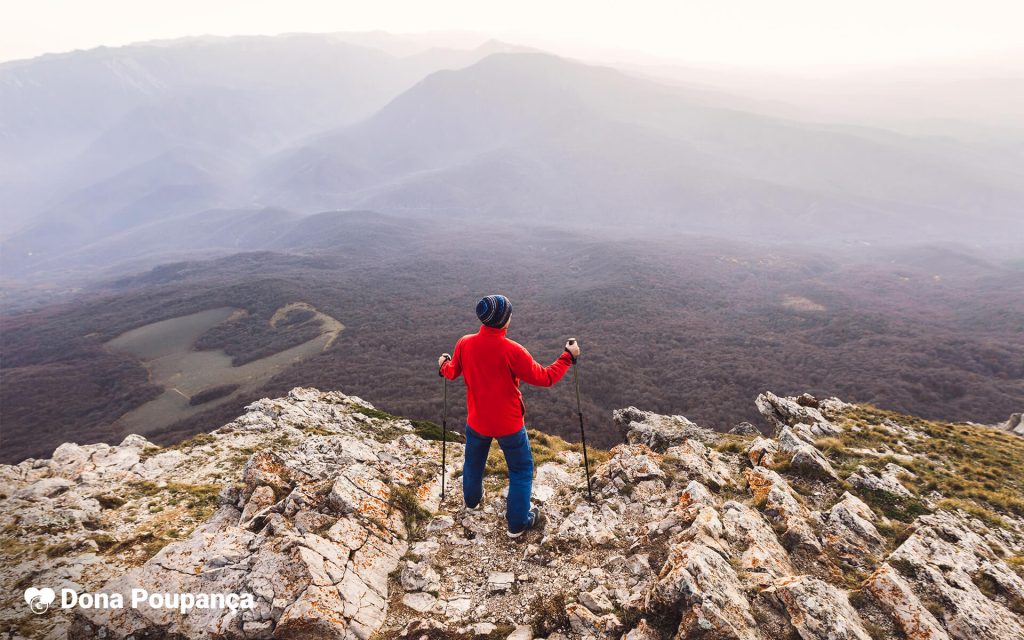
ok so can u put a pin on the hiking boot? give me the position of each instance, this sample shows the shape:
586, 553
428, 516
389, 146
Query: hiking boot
478, 506
535, 519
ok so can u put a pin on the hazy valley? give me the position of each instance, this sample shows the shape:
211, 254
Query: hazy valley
703, 244
691, 326
228, 266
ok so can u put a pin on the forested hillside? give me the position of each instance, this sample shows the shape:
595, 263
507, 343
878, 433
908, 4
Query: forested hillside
690, 326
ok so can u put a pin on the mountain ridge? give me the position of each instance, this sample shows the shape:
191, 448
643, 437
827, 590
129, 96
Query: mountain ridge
848, 523
515, 135
555, 107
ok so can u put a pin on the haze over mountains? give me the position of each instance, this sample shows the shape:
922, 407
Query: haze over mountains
100, 141
705, 243
105, 146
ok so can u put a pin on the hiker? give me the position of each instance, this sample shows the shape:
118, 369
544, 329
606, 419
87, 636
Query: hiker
493, 365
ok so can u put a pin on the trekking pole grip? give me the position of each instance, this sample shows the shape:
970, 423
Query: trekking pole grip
571, 342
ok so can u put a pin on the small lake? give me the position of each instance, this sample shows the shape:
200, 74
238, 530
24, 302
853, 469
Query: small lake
165, 349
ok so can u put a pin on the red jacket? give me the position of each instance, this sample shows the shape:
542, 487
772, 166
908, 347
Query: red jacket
493, 366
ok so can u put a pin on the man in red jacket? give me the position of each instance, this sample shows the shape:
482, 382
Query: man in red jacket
493, 366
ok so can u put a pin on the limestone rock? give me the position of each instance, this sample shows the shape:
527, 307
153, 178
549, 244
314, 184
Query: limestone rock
627, 468
783, 509
552, 478
585, 622
441, 523
425, 548
1014, 424
762, 557
658, 432
700, 582
45, 488
500, 580
806, 458
818, 610
458, 607
707, 529
267, 468
693, 498
744, 429
702, 463
642, 631
419, 601
334, 526
848, 529
262, 498
762, 452
1007, 582
887, 482
214, 559
809, 461
419, 576
895, 596
941, 558
596, 600
638, 564
587, 525
783, 412
316, 561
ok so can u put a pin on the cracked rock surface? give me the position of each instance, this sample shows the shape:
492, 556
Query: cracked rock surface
307, 518
328, 513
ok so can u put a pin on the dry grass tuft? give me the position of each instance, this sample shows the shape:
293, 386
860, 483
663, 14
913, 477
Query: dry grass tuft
976, 469
546, 448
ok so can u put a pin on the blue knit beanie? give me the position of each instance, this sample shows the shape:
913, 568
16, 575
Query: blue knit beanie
494, 311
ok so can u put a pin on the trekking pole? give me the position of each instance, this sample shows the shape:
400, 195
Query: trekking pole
583, 434
444, 433
444, 436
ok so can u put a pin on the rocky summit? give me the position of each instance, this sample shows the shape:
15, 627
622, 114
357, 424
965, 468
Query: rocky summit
848, 523
1014, 424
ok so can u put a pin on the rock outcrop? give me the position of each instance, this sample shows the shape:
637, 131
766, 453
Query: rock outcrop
886, 481
311, 526
817, 609
804, 456
1014, 424
804, 414
327, 514
658, 432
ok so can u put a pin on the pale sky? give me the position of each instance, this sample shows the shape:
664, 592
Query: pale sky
780, 34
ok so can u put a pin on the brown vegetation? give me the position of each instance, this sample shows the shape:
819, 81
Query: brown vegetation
695, 328
213, 393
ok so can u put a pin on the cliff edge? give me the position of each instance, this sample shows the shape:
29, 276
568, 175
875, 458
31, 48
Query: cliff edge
848, 523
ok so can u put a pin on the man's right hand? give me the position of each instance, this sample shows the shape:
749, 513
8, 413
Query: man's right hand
444, 358
573, 347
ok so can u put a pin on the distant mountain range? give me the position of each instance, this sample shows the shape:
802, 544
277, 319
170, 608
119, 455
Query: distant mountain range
97, 142
156, 148
535, 136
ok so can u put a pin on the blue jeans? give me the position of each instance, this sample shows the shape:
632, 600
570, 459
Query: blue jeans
519, 460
